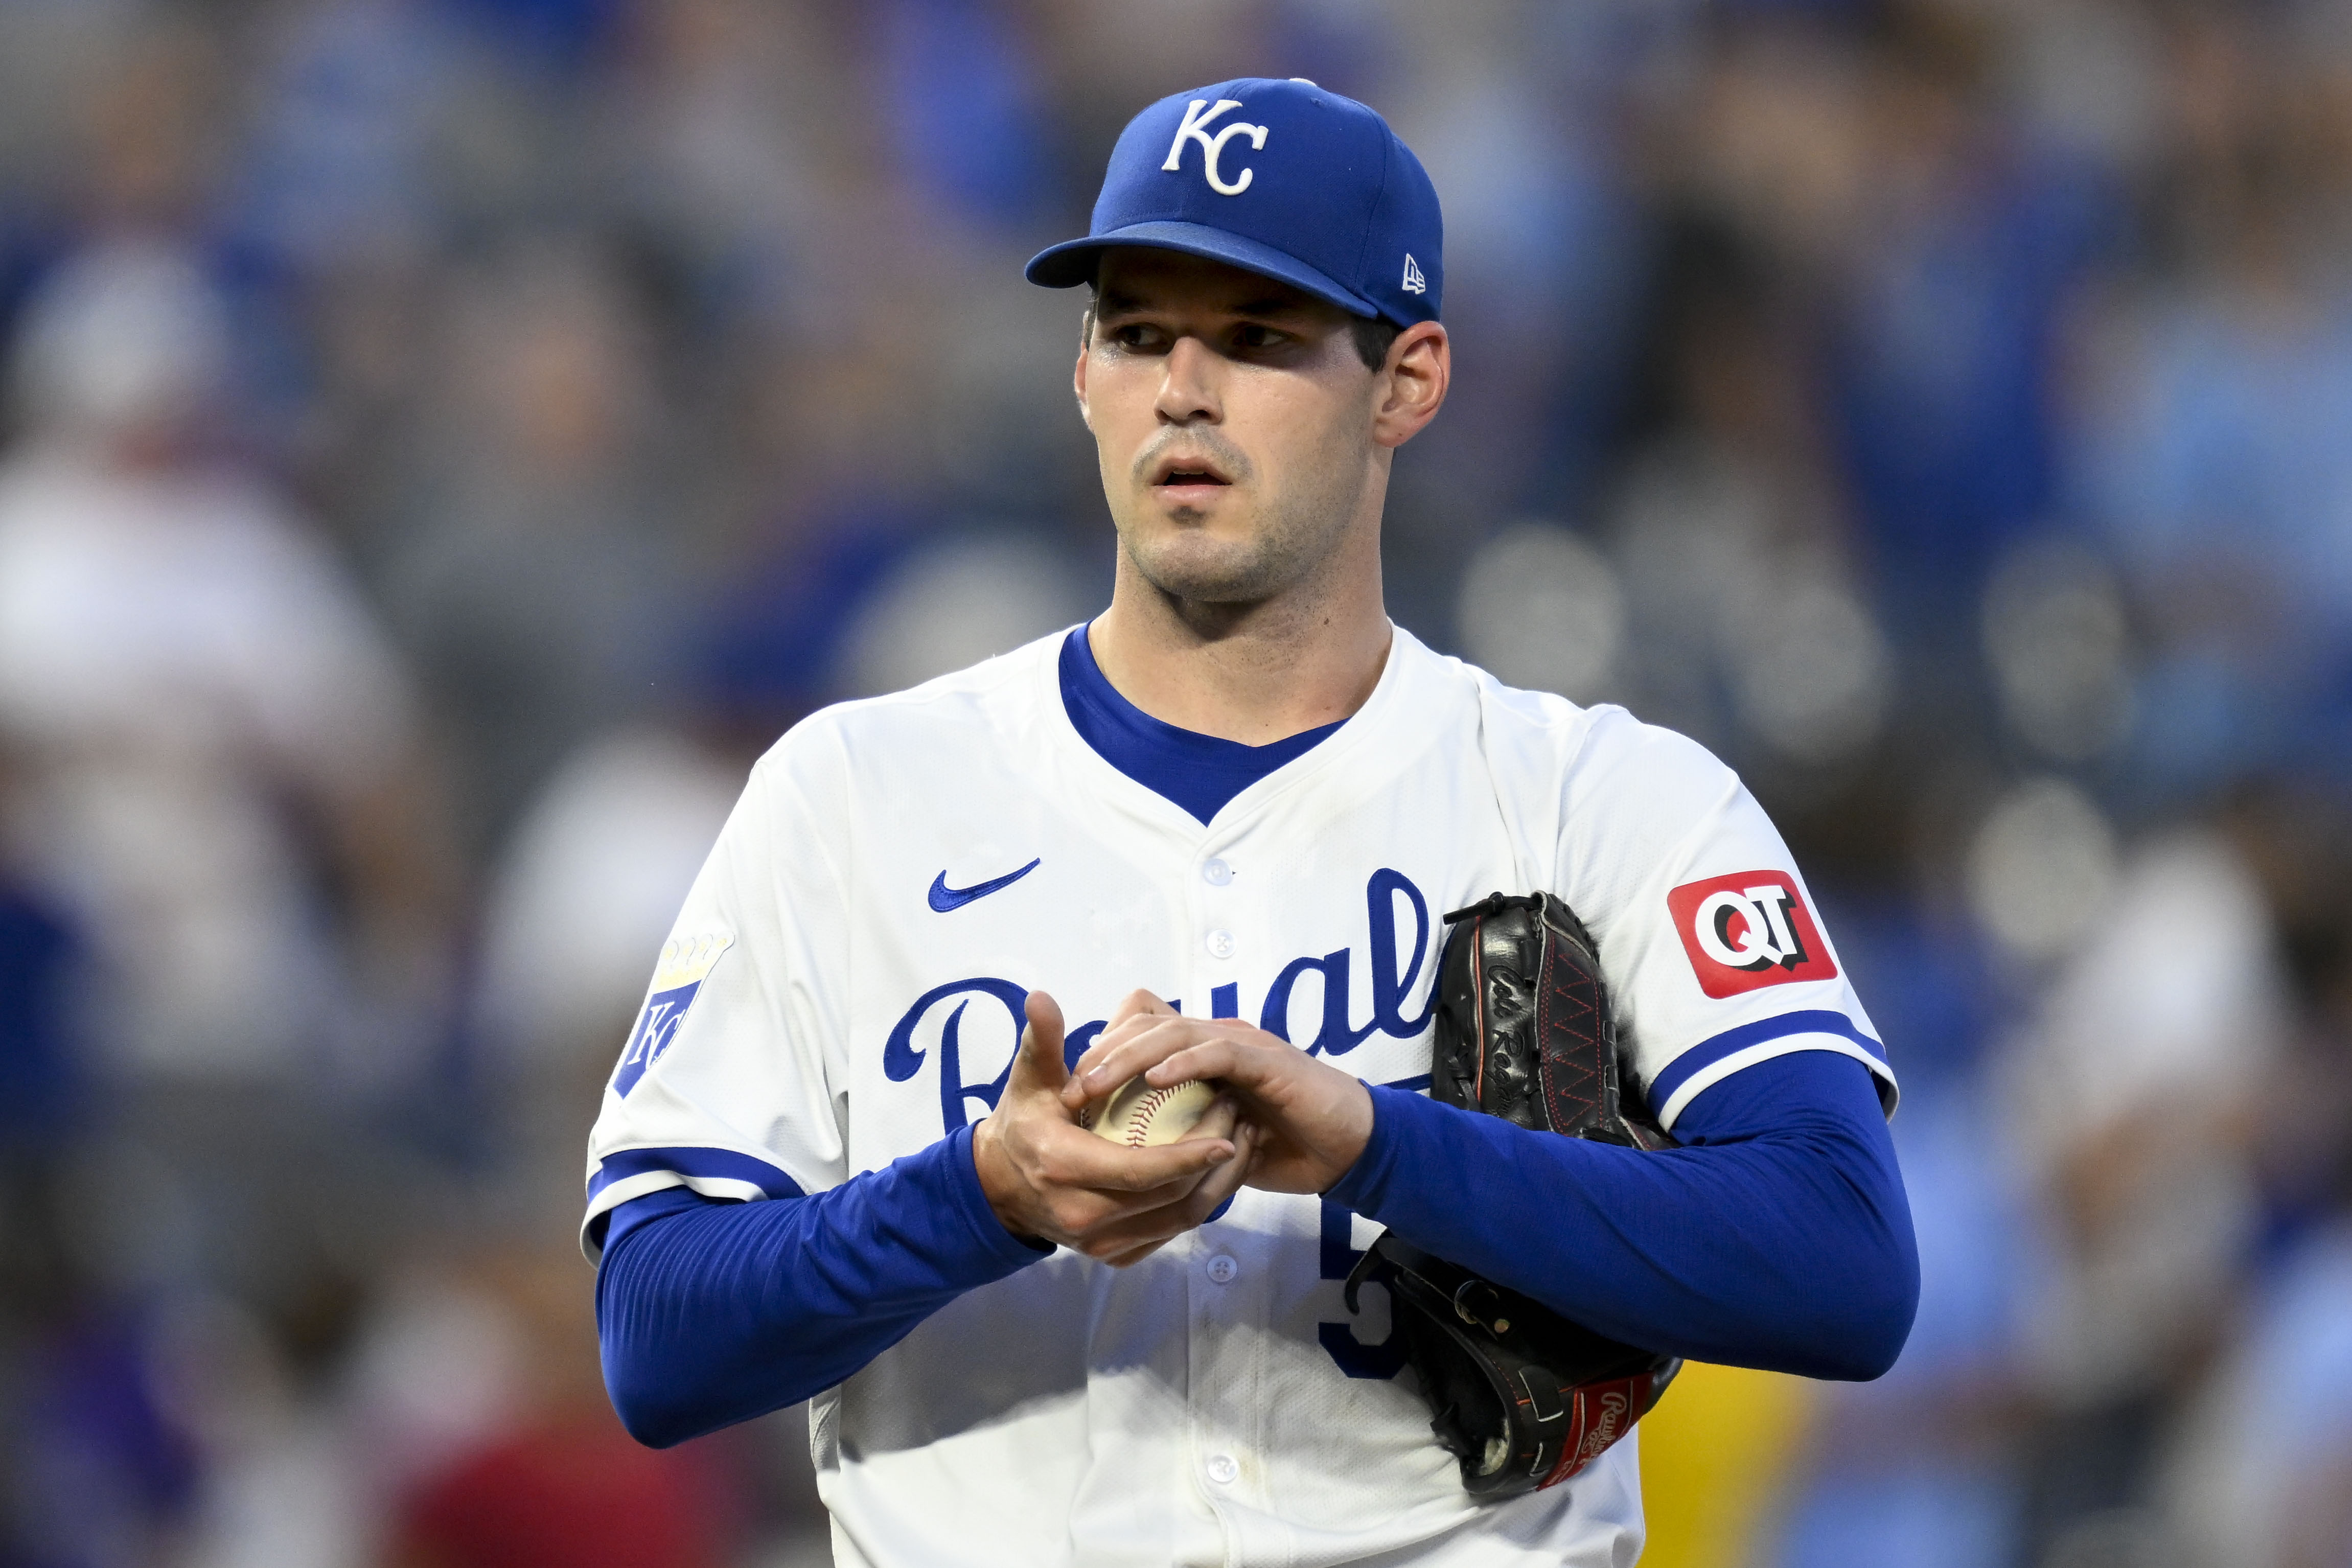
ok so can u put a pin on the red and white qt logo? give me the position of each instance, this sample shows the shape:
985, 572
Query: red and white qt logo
1748, 930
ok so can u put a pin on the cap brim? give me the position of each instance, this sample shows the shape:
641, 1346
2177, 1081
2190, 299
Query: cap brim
1071, 263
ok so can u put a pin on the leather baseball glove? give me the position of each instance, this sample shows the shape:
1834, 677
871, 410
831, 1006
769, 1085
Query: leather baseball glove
1522, 1396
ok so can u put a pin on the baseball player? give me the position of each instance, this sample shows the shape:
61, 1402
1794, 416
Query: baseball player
1214, 833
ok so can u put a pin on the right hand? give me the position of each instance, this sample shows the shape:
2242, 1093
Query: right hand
1048, 1177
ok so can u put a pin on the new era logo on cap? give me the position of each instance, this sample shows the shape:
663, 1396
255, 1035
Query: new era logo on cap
1277, 177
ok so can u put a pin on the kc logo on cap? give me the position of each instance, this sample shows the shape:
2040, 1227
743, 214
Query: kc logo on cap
1331, 202
1195, 128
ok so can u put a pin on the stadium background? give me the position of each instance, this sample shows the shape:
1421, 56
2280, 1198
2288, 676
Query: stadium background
447, 439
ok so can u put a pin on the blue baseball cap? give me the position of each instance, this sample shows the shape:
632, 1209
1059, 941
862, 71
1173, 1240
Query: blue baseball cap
1281, 178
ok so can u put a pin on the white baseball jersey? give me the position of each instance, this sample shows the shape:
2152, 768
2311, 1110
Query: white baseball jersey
843, 988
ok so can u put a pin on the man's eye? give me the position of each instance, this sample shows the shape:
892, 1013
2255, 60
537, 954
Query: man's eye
1134, 335
1250, 335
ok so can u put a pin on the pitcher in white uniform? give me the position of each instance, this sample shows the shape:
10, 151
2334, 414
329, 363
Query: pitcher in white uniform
1218, 825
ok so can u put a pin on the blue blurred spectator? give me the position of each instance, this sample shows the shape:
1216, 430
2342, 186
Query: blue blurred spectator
559, 33
45, 1070
1946, 347
348, 149
102, 1470
963, 110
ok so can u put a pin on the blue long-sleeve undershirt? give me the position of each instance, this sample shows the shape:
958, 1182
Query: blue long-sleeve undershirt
1778, 1237
711, 1312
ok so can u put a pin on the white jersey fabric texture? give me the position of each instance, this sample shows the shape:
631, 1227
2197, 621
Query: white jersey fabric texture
826, 1004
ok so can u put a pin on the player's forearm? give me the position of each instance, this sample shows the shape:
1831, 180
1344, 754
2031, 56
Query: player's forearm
711, 1313
1783, 1240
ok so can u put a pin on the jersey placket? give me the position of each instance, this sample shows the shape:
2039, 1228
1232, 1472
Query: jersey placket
1226, 1276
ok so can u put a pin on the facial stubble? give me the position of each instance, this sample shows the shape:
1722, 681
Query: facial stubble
1292, 536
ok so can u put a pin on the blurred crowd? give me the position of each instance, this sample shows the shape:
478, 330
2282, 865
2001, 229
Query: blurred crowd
444, 441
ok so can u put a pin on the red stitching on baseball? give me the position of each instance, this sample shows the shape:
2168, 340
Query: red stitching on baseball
1138, 1120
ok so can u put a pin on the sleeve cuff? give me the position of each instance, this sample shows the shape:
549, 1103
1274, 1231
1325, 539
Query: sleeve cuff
993, 1242
1711, 1061
1396, 1114
710, 1172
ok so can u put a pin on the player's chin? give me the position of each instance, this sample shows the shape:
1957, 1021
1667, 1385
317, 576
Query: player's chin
1212, 561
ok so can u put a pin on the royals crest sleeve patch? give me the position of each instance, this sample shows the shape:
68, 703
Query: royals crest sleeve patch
1748, 930
686, 963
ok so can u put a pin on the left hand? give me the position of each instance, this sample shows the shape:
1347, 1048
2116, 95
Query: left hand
1312, 1121
1046, 1177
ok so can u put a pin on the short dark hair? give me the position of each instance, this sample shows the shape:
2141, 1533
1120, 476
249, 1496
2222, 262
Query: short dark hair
1372, 335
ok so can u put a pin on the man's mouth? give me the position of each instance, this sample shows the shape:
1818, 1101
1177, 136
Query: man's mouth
1187, 474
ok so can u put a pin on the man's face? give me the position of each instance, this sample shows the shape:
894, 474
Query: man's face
1234, 420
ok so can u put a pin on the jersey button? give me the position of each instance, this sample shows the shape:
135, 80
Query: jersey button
1216, 873
1223, 1268
1220, 945
1221, 1469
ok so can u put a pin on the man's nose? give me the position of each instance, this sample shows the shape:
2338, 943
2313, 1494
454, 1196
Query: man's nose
1189, 383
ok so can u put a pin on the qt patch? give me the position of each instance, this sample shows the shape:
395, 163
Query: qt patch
1748, 930
686, 963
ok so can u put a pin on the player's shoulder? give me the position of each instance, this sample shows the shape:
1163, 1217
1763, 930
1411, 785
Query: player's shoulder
1587, 751
934, 724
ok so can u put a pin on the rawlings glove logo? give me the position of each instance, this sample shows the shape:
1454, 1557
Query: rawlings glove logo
1748, 930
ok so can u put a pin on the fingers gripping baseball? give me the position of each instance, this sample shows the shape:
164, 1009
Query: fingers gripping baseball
1045, 1176
1152, 1231
1310, 1121
1139, 1003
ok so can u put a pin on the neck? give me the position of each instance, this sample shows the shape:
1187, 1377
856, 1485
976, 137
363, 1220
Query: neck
1254, 673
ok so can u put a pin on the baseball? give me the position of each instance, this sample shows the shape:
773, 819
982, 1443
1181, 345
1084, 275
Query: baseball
1141, 1116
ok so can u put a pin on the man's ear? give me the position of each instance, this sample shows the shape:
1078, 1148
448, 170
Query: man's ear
1078, 376
1412, 384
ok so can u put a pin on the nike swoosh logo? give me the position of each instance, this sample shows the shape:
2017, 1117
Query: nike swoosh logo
944, 897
